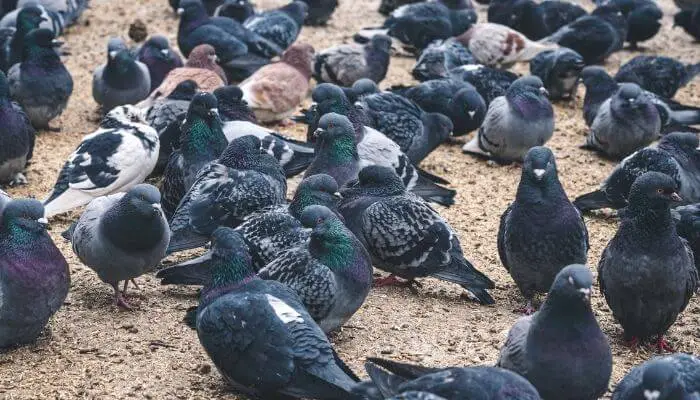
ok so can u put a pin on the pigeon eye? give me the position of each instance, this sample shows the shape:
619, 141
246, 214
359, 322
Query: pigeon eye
571, 280
660, 191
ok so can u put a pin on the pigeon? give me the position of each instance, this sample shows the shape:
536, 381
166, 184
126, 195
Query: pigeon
16, 138
499, 46
332, 273
241, 181
439, 57
232, 107
41, 84
591, 36
687, 220
202, 141
336, 151
210, 6
417, 25
675, 155
239, 10
12, 47
60, 14
200, 67
624, 123
34, 274
612, 14
458, 100
416, 132
489, 82
105, 240
689, 21
676, 376
121, 153
479, 382
414, 395
280, 26
643, 19
563, 332
121, 80
600, 86
405, 236
319, 11
157, 55
275, 91
346, 63
534, 20
166, 116
647, 272
387, 6
559, 70
657, 74
260, 336
514, 123
541, 232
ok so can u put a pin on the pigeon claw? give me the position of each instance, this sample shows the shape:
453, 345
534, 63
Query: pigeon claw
529, 309
662, 345
632, 343
393, 280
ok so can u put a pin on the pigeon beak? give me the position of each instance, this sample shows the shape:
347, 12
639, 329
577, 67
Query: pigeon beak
338, 195
112, 54
471, 114
631, 100
214, 112
157, 206
318, 132
544, 91
56, 43
586, 293
651, 394
180, 11
676, 197
43, 221
213, 58
539, 173
165, 52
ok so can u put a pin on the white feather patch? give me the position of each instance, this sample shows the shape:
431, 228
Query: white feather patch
284, 312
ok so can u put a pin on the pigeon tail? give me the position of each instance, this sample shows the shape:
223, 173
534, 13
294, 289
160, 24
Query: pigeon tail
366, 34
68, 233
432, 177
65, 201
192, 272
385, 381
185, 239
407, 371
691, 71
473, 147
593, 201
190, 318
463, 273
685, 115
430, 191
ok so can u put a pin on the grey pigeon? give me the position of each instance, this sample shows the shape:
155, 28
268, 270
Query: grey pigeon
404, 235
281, 26
259, 335
475, 383
657, 74
225, 191
121, 153
105, 240
541, 232
41, 84
346, 63
624, 123
564, 332
34, 276
121, 80
16, 138
332, 273
687, 219
647, 272
441, 56
400, 119
673, 377
559, 70
675, 155
202, 141
157, 55
514, 123
336, 151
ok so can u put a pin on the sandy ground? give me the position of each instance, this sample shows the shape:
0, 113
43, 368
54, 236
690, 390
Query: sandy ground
94, 350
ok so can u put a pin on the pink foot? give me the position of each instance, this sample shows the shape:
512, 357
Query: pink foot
662, 345
632, 343
529, 309
393, 280
119, 298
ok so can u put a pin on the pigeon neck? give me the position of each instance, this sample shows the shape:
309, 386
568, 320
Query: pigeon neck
122, 75
131, 230
17, 232
530, 106
340, 149
303, 199
333, 246
41, 56
648, 221
569, 310
203, 137
548, 190
228, 275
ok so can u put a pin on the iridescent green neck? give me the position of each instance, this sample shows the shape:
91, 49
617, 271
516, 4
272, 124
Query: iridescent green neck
343, 150
18, 233
334, 247
201, 136
230, 272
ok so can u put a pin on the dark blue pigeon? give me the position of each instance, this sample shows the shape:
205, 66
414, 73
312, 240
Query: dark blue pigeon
643, 19
439, 57
541, 232
16, 138
259, 335
689, 20
225, 191
41, 84
159, 58
202, 141
405, 236
34, 274
657, 74
563, 332
534, 20
591, 36
489, 82
346, 64
121, 80
280, 26
559, 70
673, 377
647, 272
319, 12
105, 240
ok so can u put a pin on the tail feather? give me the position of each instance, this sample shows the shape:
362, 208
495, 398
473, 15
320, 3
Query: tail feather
68, 233
65, 201
691, 71
432, 192
298, 163
366, 34
190, 317
186, 239
385, 381
432, 177
686, 116
593, 201
406, 371
193, 272
463, 273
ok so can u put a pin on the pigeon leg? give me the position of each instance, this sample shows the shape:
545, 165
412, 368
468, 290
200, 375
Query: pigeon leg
119, 298
126, 285
632, 343
133, 282
50, 129
662, 345
393, 280
18, 179
529, 309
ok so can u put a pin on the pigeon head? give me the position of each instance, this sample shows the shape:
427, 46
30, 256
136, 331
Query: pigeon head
122, 116
660, 381
231, 260
23, 215
202, 56
528, 84
184, 90
203, 106
336, 133
191, 11
461, 20
526, 16
330, 240
238, 10
160, 46
300, 56
629, 97
653, 191
430, 64
315, 216
240, 152
563, 77
539, 165
40, 40
572, 286
595, 77
687, 142
318, 189
364, 86
297, 10
467, 109
378, 181
439, 126
121, 71
528, 97
229, 94
29, 18
381, 42
139, 206
114, 46
327, 92
144, 199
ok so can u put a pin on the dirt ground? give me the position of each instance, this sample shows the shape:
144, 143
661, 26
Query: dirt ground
93, 350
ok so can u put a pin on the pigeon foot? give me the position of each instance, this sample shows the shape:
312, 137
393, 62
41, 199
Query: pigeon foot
663, 345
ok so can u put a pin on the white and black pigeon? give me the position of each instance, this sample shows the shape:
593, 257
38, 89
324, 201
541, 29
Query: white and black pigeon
673, 377
675, 155
521, 119
647, 272
541, 232
121, 153
564, 332
105, 238
404, 235
259, 335
16, 138
624, 123
121, 80
225, 191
